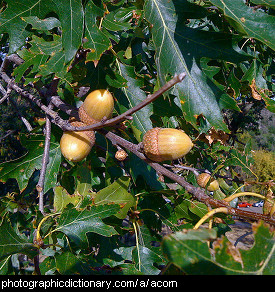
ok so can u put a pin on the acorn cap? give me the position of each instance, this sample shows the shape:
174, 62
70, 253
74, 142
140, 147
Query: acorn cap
97, 105
160, 144
85, 118
121, 155
202, 180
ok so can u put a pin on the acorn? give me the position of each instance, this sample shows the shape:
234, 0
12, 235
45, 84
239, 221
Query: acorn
76, 145
202, 180
121, 155
97, 105
160, 144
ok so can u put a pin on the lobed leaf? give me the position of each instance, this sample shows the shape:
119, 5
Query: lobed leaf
76, 224
116, 193
70, 14
11, 242
189, 251
23, 167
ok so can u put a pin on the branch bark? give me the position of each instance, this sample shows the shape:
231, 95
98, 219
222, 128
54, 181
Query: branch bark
150, 98
198, 193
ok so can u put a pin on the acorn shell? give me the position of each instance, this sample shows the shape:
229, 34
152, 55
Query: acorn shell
202, 180
97, 105
76, 145
160, 144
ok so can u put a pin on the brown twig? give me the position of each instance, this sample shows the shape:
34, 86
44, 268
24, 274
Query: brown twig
150, 98
198, 193
45, 161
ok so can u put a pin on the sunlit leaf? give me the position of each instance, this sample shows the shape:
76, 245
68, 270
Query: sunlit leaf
76, 224
250, 22
116, 193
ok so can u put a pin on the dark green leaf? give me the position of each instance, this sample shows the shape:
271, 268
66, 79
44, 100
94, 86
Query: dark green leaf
268, 3
22, 168
189, 251
75, 224
251, 23
146, 259
11, 242
237, 158
70, 14
179, 49
134, 96
69, 264
96, 41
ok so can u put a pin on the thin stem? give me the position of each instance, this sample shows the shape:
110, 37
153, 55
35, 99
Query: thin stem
38, 236
194, 170
45, 161
232, 197
137, 244
210, 214
150, 98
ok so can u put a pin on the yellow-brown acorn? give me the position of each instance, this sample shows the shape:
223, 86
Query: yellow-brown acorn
160, 144
76, 145
121, 155
97, 105
202, 180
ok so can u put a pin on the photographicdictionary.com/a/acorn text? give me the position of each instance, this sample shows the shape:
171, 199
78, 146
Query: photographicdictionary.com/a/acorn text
107, 283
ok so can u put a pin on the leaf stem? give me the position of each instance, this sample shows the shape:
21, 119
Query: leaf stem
38, 236
210, 214
137, 245
232, 197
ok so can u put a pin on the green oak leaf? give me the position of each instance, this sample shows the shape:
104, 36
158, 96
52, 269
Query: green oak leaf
76, 224
116, 193
95, 39
134, 95
11, 242
71, 17
252, 23
45, 24
189, 251
62, 198
268, 3
23, 167
179, 49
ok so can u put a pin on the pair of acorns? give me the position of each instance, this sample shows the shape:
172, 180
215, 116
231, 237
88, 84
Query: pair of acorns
158, 144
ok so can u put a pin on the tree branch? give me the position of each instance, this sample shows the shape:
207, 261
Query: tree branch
150, 98
198, 193
45, 161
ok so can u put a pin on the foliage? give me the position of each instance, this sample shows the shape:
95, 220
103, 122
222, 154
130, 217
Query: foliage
104, 216
264, 165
